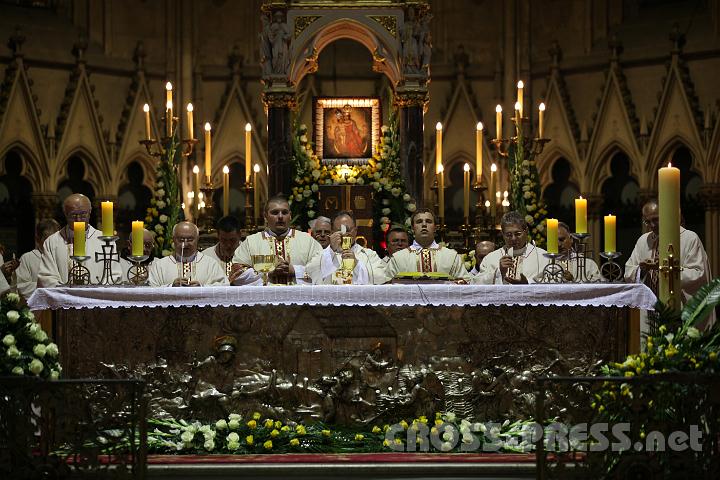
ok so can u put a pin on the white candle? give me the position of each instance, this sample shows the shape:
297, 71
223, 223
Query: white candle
190, 121
520, 86
146, 109
208, 153
541, 119
438, 147
498, 122
248, 152
478, 152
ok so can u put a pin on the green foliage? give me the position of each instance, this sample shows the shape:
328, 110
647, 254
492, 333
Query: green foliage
525, 189
164, 211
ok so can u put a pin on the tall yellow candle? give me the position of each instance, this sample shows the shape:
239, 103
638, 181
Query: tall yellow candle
541, 120
441, 192
168, 109
248, 152
137, 238
581, 215
190, 126
146, 109
478, 152
208, 153
610, 233
438, 146
466, 193
552, 235
669, 210
520, 86
491, 192
108, 229
169, 119
498, 122
256, 192
226, 190
79, 239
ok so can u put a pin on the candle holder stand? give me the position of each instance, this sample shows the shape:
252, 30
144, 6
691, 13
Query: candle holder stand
467, 232
249, 206
78, 274
581, 257
669, 266
138, 273
553, 271
158, 148
108, 255
611, 271
206, 217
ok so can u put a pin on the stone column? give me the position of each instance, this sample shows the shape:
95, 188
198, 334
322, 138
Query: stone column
710, 198
411, 106
45, 204
278, 104
595, 223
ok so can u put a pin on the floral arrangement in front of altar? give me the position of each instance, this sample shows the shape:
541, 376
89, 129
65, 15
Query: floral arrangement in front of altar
679, 346
255, 434
164, 210
526, 189
392, 204
26, 348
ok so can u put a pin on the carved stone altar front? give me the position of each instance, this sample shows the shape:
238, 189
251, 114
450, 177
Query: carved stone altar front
340, 364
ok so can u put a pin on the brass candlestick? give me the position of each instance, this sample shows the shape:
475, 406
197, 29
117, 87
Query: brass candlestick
611, 271
138, 273
78, 274
206, 217
249, 207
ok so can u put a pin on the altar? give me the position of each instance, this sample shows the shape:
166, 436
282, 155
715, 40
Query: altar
345, 355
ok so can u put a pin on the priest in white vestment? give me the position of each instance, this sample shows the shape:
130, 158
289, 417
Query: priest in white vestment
483, 248
325, 268
519, 261
4, 285
228, 230
292, 248
27, 272
568, 258
148, 246
320, 229
425, 255
397, 239
186, 267
57, 249
642, 266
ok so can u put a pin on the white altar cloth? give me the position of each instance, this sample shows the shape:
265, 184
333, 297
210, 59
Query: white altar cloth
582, 295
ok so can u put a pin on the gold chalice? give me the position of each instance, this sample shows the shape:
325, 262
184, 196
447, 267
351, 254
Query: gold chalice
264, 264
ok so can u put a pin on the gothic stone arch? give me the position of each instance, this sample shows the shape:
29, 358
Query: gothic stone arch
293, 35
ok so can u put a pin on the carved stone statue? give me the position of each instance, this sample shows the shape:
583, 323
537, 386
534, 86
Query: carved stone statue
408, 38
275, 45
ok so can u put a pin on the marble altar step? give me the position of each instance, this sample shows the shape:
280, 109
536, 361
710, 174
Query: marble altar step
343, 466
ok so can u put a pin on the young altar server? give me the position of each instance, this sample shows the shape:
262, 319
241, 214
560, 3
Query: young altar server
568, 258
519, 261
228, 229
27, 271
325, 268
642, 266
186, 267
293, 249
148, 245
56, 263
425, 255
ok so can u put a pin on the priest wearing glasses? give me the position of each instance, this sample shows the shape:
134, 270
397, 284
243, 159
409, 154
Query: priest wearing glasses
58, 247
292, 248
518, 261
425, 255
186, 267
327, 268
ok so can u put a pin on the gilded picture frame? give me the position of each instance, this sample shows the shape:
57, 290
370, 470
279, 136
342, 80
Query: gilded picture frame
346, 129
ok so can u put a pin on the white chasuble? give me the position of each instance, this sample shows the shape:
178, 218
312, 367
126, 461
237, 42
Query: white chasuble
435, 258
203, 269
529, 262
369, 268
